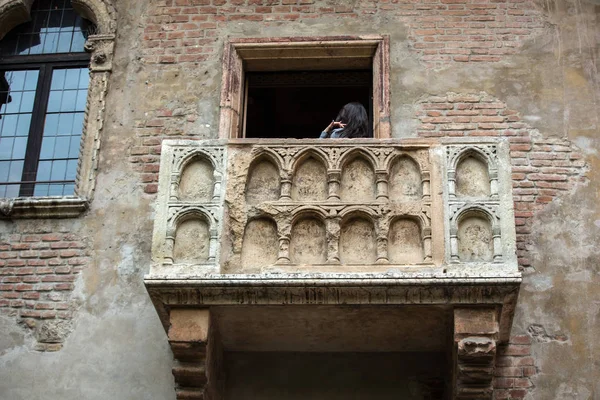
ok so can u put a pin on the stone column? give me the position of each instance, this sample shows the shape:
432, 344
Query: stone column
382, 185
286, 188
333, 185
475, 335
198, 355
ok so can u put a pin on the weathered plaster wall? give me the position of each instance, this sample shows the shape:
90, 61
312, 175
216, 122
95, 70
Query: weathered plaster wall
166, 83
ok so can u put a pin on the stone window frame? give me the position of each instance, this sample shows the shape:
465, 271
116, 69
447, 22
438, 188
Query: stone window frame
302, 53
101, 47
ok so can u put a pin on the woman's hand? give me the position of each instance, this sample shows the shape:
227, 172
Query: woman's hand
334, 125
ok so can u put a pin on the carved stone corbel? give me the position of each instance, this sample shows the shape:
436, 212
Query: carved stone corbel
475, 335
102, 48
198, 355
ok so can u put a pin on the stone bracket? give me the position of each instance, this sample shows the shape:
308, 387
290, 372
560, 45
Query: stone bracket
198, 355
475, 336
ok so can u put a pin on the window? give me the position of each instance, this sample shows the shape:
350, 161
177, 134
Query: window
293, 87
44, 81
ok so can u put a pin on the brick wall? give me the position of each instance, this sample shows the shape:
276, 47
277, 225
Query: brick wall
514, 369
185, 34
441, 31
38, 271
542, 169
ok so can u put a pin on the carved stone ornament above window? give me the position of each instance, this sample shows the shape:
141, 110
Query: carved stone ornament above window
100, 45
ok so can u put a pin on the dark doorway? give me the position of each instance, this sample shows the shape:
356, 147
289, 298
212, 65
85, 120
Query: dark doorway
301, 104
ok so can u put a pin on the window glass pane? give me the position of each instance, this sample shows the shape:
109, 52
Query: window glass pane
51, 124
9, 124
40, 189
74, 146
17, 95
55, 190
23, 125
43, 173
4, 168
59, 170
12, 190
15, 172
54, 28
19, 147
61, 149
6, 148
47, 148
69, 98
62, 132
71, 170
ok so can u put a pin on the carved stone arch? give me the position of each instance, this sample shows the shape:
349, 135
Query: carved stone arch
180, 218
101, 12
351, 155
366, 212
188, 158
304, 211
359, 235
267, 154
13, 13
306, 154
308, 239
481, 212
405, 244
395, 156
476, 152
482, 154
187, 213
403, 184
358, 171
310, 176
264, 183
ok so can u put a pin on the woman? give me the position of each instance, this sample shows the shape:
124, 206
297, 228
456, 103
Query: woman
351, 122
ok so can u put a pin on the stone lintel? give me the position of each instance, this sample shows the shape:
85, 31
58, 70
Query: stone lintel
475, 335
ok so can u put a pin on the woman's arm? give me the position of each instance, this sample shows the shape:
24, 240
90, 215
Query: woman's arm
326, 132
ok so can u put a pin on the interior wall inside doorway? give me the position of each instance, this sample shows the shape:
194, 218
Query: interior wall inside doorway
336, 376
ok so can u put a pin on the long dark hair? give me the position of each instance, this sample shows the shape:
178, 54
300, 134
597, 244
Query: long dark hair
355, 117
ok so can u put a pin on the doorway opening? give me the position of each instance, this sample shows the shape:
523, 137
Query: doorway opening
300, 104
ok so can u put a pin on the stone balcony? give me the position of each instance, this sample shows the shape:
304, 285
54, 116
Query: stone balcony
340, 222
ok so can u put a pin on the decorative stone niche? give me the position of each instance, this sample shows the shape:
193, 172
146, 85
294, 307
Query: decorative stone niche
263, 182
358, 240
310, 180
405, 180
192, 242
472, 178
308, 241
197, 182
358, 180
260, 245
405, 242
189, 210
479, 206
